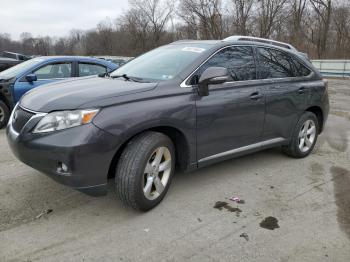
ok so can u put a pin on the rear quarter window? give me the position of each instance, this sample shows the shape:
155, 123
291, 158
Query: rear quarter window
87, 69
278, 64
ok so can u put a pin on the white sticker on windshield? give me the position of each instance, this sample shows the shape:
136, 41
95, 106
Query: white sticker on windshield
193, 49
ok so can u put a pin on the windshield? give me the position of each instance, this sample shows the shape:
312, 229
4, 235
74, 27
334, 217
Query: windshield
163, 63
20, 68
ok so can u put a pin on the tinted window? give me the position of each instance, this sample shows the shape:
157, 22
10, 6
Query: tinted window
57, 70
278, 64
91, 69
300, 69
239, 60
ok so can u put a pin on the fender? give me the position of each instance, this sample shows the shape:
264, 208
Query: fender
126, 120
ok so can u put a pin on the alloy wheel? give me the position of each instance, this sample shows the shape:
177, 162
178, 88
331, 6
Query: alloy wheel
157, 173
307, 135
2, 115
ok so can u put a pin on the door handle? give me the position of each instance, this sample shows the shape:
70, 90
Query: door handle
301, 90
256, 96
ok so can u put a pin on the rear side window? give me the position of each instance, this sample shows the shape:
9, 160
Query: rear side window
55, 70
300, 69
239, 60
278, 64
86, 69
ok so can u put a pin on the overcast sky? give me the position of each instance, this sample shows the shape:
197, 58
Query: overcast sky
55, 17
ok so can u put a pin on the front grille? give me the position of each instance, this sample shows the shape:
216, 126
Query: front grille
20, 118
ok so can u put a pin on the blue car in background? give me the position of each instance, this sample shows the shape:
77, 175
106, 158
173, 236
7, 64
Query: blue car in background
19, 79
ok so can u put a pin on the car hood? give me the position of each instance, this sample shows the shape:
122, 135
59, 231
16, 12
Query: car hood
71, 94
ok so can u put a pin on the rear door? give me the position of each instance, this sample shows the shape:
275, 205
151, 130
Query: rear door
286, 84
232, 116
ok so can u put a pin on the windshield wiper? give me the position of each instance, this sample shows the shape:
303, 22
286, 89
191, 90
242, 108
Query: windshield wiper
128, 78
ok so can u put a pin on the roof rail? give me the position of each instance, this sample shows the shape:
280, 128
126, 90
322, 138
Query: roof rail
257, 39
184, 40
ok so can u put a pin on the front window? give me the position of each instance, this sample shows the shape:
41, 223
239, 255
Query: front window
56, 70
239, 61
163, 63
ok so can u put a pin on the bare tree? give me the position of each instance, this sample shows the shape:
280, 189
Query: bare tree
320, 28
135, 25
206, 15
323, 10
341, 20
155, 13
298, 11
268, 13
242, 12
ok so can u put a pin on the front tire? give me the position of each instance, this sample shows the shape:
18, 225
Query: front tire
304, 136
4, 114
145, 170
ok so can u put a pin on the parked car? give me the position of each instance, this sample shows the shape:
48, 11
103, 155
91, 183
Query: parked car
19, 79
185, 105
16, 56
118, 60
9, 59
6, 63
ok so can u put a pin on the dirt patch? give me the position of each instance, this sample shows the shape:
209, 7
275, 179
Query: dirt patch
270, 223
220, 205
317, 169
317, 172
341, 181
336, 133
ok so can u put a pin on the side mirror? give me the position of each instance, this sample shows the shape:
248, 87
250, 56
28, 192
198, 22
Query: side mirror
31, 78
212, 76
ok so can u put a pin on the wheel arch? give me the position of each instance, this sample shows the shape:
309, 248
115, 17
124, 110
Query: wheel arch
181, 144
3, 99
319, 114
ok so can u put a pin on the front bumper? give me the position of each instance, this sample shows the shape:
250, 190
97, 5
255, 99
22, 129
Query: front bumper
86, 150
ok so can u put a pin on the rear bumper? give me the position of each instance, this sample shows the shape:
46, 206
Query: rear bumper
86, 150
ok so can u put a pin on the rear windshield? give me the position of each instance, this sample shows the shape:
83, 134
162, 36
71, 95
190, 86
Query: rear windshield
163, 63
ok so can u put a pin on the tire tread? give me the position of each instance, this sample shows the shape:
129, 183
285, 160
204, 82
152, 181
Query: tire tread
129, 165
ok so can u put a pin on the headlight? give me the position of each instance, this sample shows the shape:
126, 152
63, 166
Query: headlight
64, 119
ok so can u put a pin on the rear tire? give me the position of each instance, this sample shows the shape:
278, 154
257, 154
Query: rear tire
4, 114
145, 170
304, 136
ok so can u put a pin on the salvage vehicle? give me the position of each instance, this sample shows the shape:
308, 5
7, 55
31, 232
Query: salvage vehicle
185, 105
19, 79
16, 56
6, 63
9, 59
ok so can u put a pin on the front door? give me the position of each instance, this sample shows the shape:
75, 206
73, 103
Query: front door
231, 118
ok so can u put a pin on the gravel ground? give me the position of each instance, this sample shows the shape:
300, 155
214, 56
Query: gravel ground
307, 200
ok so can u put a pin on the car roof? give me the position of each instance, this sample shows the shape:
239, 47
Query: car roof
190, 41
6, 59
251, 42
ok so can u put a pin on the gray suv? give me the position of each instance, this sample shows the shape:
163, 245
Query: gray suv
185, 105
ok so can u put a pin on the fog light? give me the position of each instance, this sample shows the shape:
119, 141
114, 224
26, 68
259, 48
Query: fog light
62, 168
